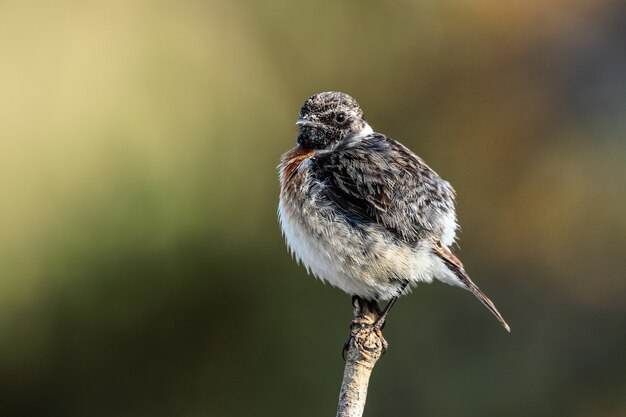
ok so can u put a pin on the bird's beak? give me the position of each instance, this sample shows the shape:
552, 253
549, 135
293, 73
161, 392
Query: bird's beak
308, 123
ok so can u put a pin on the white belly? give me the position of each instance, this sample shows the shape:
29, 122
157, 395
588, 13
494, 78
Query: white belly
316, 258
364, 267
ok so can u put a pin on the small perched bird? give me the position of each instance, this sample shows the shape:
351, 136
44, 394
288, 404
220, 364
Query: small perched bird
364, 213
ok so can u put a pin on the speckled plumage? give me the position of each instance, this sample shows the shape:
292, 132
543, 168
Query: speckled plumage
363, 212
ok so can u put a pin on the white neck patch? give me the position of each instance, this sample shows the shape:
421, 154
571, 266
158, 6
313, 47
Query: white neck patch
367, 130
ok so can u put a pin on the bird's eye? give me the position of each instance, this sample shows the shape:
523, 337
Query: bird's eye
340, 117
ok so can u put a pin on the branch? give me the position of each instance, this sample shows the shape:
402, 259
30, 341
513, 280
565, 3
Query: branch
364, 347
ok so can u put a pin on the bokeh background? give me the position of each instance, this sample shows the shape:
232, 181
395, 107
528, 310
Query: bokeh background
142, 271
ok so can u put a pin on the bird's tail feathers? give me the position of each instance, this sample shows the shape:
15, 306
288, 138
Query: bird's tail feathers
473, 288
454, 264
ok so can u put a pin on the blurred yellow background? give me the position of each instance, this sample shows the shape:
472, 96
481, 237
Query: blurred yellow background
142, 270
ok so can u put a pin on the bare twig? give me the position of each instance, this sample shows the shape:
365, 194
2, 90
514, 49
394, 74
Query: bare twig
364, 349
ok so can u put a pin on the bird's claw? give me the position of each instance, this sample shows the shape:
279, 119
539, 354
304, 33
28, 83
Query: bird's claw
356, 327
378, 331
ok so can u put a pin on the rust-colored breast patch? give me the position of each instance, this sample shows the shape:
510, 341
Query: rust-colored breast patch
290, 166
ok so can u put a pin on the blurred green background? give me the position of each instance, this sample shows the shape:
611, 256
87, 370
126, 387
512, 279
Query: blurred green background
142, 270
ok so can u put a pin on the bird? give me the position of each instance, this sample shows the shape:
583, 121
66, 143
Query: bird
364, 213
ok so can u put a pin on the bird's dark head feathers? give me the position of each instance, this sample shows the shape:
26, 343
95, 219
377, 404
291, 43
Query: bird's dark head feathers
327, 118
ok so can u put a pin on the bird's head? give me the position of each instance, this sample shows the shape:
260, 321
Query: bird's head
327, 118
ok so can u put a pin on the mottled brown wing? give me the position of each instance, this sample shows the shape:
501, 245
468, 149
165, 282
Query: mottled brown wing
379, 180
455, 265
347, 188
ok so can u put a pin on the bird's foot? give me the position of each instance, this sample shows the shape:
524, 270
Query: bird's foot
378, 332
379, 324
366, 329
364, 336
